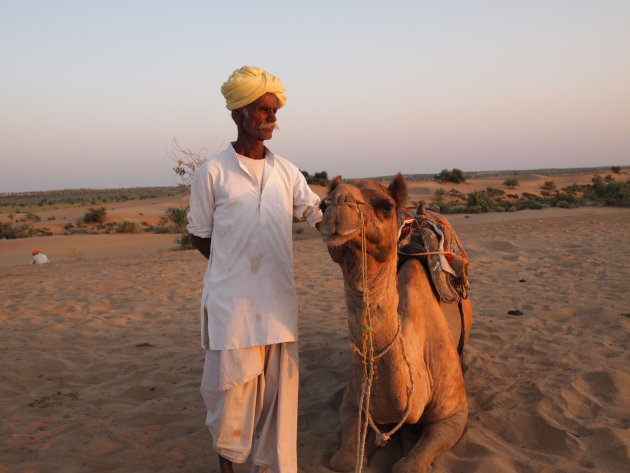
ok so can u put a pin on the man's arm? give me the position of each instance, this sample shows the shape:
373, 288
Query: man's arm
202, 244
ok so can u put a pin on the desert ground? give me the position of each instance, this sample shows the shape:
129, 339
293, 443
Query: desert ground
102, 357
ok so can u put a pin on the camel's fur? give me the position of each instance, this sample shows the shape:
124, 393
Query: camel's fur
439, 401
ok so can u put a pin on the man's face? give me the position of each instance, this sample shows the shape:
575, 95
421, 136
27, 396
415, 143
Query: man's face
258, 119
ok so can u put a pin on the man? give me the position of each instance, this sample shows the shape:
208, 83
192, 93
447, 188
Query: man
38, 257
242, 204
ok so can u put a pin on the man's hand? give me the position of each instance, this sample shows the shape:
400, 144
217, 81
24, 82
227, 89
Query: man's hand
202, 244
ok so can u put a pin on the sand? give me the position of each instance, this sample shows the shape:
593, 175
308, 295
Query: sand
102, 361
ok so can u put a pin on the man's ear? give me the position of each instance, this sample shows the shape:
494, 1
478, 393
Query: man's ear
398, 190
334, 183
237, 116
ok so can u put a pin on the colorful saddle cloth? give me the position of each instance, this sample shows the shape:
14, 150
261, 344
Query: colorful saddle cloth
428, 236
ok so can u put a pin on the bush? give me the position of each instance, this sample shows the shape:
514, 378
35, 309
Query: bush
511, 182
563, 204
184, 242
178, 216
616, 169
608, 191
95, 215
549, 186
479, 201
455, 175
7, 231
456, 194
128, 226
319, 178
494, 192
31, 217
453, 207
160, 229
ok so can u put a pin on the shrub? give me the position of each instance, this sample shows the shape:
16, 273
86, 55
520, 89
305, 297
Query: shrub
178, 216
610, 192
76, 231
31, 217
159, 229
494, 192
563, 204
455, 175
319, 178
128, 226
479, 201
95, 215
511, 182
549, 186
8, 231
453, 207
616, 169
457, 194
184, 242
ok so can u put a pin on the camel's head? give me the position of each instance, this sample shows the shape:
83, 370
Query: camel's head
379, 206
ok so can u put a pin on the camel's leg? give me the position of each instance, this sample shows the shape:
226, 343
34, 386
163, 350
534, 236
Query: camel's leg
344, 458
437, 438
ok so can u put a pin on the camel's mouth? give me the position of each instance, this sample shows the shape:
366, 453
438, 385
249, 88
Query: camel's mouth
335, 240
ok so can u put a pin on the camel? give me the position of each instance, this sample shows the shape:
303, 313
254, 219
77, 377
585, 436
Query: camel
416, 364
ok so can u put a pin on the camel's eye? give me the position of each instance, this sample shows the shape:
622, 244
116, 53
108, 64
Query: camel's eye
384, 206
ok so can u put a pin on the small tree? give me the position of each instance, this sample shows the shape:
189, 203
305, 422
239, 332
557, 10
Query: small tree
479, 201
95, 215
511, 182
179, 217
319, 178
549, 186
616, 169
187, 161
455, 175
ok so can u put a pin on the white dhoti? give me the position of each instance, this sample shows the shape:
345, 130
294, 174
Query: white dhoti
251, 398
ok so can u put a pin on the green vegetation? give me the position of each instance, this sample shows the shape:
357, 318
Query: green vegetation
454, 175
95, 215
9, 231
511, 182
25, 202
319, 178
603, 191
616, 169
128, 226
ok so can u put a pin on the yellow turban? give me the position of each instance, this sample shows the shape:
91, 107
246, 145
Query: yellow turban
250, 83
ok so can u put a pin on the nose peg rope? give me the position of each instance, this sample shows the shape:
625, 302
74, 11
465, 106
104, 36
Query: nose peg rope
368, 358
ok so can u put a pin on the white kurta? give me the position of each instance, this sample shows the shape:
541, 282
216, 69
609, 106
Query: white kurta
249, 295
39, 258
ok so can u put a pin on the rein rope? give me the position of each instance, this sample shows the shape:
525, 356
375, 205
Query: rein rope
368, 358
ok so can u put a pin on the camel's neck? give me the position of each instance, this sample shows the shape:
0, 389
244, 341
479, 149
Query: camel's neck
382, 295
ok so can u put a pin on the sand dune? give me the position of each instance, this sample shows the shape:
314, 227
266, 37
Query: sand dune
102, 360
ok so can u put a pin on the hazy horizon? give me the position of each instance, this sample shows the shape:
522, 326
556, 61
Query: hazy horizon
93, 94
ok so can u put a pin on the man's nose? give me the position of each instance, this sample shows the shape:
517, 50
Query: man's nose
271, 116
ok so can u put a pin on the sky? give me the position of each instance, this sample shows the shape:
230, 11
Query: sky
93, 93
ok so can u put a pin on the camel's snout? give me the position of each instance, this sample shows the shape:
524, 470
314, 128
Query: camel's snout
341, 219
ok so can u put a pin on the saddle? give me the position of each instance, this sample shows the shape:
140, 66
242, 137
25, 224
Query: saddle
428, 236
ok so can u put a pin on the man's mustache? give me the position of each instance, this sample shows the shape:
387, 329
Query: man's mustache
268, 125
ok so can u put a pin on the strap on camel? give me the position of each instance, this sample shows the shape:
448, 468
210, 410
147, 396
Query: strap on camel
430, 238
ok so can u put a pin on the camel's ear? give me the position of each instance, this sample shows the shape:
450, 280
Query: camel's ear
334, 183
398, 190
